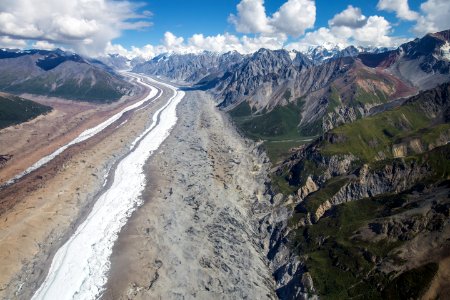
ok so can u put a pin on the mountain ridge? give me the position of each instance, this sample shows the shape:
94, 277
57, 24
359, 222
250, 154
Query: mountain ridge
61, 74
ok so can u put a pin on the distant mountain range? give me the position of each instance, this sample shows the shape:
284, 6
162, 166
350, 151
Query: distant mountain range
119, 62
334, 85
60, 74
190, 67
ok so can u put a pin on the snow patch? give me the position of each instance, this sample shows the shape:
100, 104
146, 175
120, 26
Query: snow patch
445, 50
292, 55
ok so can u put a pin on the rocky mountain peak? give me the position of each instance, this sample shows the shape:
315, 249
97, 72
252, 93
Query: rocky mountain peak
445, 35
430, 44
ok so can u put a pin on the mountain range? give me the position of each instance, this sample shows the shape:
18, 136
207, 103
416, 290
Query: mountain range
359, 141
339, 89
60, 74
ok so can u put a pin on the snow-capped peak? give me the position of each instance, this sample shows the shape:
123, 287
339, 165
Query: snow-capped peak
292, 54
445, 50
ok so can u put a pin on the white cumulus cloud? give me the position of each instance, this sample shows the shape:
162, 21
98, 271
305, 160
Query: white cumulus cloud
400, 7
435, 16
43, 45
350, 17
375, 33
198, 43
7, 42
251, 17
171, 41
87, 26
351, 27
292, 18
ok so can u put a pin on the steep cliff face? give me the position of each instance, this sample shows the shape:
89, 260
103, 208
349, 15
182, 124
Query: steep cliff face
423, 63
295, 238
259, 78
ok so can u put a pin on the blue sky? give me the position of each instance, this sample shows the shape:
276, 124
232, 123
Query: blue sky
150, 27
185, 18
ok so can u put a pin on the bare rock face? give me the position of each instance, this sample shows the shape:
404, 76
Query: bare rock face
288, 269
341, 116
309, 187
392, 178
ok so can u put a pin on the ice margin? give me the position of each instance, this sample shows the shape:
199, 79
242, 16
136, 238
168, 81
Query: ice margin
79, 268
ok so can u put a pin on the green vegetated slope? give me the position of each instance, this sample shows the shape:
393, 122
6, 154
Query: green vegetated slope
60, 74
354, 250
279, 123
101, 91
419, 125
15, 110
344, 261
348, 250
278, 128
374, 137
281, 128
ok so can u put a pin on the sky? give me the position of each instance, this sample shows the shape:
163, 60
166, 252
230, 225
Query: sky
148, 28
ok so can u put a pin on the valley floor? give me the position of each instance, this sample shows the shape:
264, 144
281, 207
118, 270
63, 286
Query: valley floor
195, 236
27, 142
42, 210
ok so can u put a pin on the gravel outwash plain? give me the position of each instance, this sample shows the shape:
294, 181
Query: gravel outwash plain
196, 235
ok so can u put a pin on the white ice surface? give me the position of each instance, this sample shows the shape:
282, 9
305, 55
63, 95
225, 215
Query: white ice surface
85, 135
79, 268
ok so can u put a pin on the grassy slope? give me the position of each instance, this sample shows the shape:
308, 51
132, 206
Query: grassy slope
367, 137
278, 128
100, 92
15, 110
